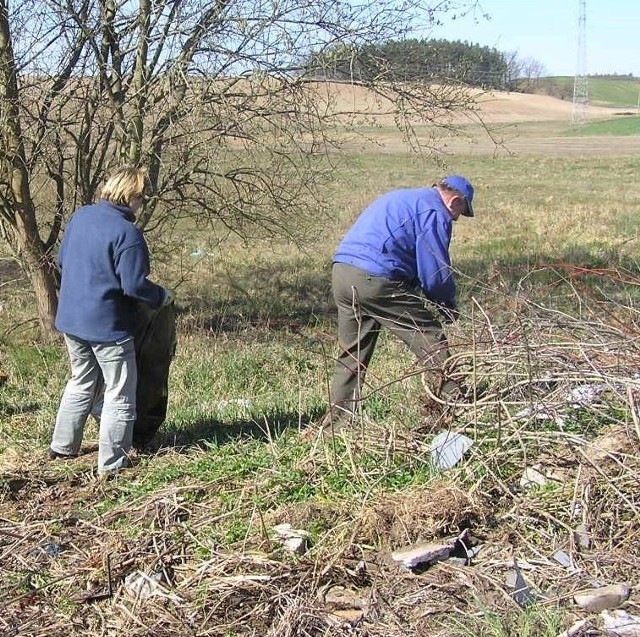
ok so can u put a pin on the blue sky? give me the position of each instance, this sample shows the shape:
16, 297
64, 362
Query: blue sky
547, 30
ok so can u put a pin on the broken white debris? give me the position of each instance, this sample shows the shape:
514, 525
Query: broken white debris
422, 554
582, 536
563, 558
294, 540
522, 593
619, 623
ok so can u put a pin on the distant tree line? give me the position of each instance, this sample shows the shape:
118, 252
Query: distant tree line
425, 60
614, 76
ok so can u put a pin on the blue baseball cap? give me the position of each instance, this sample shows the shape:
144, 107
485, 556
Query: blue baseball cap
464, 187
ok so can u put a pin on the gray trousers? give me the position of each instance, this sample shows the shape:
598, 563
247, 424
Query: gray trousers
96, 367
365, 304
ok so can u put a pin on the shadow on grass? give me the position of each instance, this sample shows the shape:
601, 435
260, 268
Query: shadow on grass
279, 299
7, 411
204, 432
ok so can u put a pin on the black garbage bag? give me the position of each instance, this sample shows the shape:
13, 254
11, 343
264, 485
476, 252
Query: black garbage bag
155, 342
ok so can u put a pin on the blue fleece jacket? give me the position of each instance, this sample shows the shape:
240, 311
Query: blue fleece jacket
105, 265
405, 235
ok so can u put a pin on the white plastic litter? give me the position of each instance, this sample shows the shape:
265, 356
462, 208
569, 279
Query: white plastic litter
143, 585
586, 394
448, 448
531, 477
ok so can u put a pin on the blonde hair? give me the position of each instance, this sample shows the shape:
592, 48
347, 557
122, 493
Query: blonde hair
124, 186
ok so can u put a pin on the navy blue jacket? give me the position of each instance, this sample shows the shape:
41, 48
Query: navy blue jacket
105, 265
405, 235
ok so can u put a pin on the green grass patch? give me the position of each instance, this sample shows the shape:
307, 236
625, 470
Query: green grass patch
620, 127
534, 621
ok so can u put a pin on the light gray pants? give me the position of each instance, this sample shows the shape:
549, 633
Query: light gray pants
94, 367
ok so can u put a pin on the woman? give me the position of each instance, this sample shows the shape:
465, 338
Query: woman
105, 267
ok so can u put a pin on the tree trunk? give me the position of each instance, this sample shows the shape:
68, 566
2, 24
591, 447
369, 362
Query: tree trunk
39, 269
20, 212
43, 282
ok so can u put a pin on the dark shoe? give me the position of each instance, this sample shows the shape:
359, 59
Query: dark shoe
54, 455
332, 423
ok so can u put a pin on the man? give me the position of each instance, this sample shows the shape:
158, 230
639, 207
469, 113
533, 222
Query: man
104, 261
394, 257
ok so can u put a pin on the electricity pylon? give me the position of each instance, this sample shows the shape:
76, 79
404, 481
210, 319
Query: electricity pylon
581, 82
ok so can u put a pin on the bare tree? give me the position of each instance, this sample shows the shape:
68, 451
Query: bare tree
211, 96
523, 74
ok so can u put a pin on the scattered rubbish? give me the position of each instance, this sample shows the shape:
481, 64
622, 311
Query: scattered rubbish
582, 536
619, 623
242, 403
420, 554
598, 599
473, 551
457, 549
462, 549
360, 569
577, 629
584, 395
50, 549
142, 585
542, 412
577, 397
3, 378
448, 448
522, 593
294, 540
532, 478
563, 558
198, 253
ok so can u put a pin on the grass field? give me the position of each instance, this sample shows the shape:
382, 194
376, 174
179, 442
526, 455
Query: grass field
548, 286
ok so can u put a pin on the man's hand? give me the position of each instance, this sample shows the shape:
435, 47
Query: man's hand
169, 297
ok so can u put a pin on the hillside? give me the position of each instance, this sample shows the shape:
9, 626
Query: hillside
491, 107
617, 92
521, 107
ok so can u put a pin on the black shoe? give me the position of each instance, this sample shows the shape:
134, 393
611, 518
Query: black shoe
54, 455
329, 425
